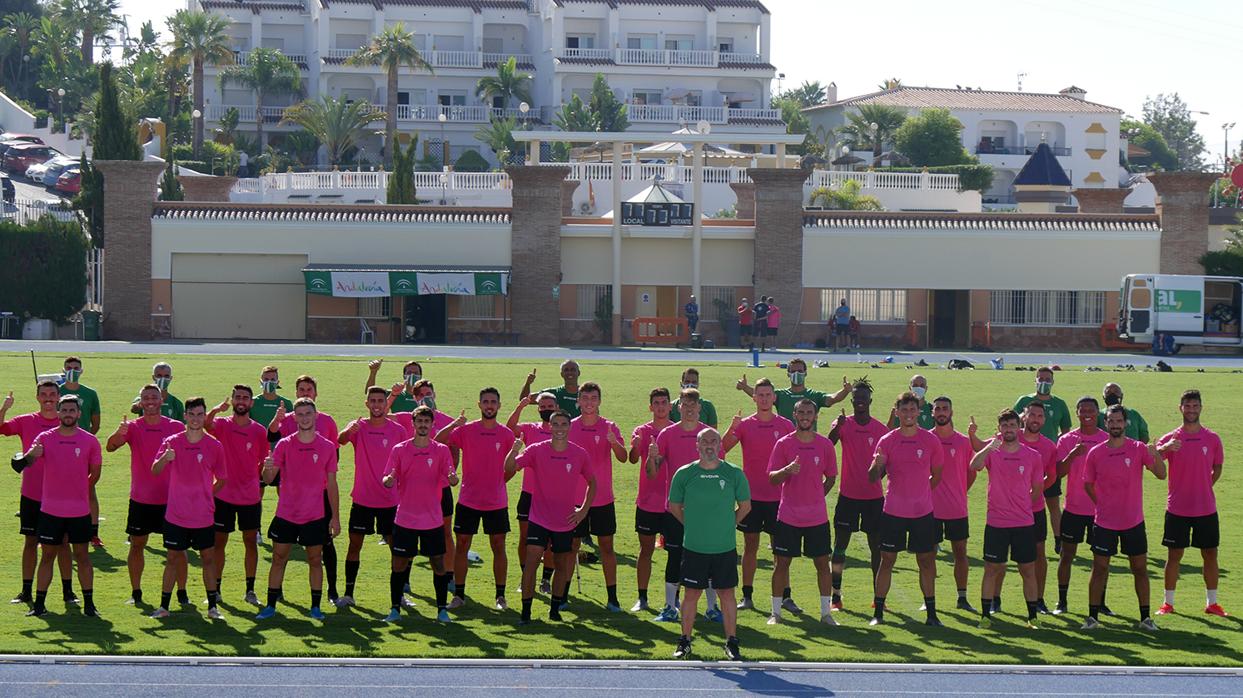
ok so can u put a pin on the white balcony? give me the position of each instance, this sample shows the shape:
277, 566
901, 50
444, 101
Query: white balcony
243, 58
443, 59
245, 113
677, 113
728, 58
591, 54
659, 57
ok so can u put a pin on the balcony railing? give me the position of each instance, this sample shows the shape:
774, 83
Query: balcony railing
245, 112
519, 58
1017, 150
678, 113
694, 58
445, 59
595, 54
243, 58
728, 57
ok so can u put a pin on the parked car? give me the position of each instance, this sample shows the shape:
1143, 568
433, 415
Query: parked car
70, 181
19, 157
5, 145
6, 185
37, 171
26, 137
54, 168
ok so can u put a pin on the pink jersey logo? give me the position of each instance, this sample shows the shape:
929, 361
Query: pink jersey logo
384, 443
776, 434
1022, 468
498, 445
1204, 450
1127, 461
568, 466
919, 453
597, 438
953, 452
77, 453
200, 458
315, 458
429, 462
248, 445
871, 441
817, 459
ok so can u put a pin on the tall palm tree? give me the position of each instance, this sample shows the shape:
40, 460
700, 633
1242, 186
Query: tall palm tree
508, 84
25, 26
890, 84
267, 72
873, 125
93, 20
199, 38
391, 49
336, 123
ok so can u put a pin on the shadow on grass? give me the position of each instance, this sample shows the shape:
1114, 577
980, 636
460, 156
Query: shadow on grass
71, 631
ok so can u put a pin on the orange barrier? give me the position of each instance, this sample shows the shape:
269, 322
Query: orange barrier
982, 334
660, 330
1110, 339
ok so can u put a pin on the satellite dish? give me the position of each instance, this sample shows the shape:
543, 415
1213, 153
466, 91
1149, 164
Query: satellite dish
703, 127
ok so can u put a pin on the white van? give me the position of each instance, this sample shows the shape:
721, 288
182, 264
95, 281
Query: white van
1168, 311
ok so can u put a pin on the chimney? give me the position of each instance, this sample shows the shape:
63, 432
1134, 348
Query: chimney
831, 92
1074, 92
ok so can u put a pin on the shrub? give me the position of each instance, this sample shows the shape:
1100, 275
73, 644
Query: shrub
45, 265
471, 161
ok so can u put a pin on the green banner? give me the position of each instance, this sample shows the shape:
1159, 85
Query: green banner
318, 282
1174, 301
375, 284
403, 283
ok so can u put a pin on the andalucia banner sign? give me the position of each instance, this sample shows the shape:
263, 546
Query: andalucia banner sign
373, 284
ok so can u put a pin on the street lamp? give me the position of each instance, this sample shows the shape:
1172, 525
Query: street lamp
1225, 151
444, 184
875, 144
60, 107
444, 155
197, 124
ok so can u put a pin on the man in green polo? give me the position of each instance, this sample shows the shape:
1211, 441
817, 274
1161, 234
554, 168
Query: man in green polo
707, 411
1136, 426
171, 407
919, 387
267, 403
87, 397
787, 398
404, 399
566, 394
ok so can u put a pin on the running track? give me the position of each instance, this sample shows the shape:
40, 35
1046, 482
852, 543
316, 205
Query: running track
176, 677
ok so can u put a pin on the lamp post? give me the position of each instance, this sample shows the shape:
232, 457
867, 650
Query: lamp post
444, 155
60, 107
444, 184
197, 115
1225, 150
523, 108
875, 144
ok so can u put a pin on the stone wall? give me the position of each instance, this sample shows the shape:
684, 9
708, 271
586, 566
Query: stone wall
1182, 204
129, 198
536, 250
779, 243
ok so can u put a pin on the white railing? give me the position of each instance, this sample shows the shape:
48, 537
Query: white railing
454, 59
431, 112
596, 54
340, 53
884, 180
243, 58
747, 113
694, 58
519, 58
674, 113
728, 57
641, 56
245, 112
582, 171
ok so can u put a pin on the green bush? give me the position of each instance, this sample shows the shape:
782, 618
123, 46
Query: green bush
972, 176
471, 161
45, 265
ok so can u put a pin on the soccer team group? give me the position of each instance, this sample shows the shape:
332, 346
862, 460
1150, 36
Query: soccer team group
198, 473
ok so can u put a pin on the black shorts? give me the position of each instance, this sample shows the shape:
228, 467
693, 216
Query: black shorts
853, 515
309, 534
1040, 529
917, 535
558, 541
144, 519
704, 570
600, 521
1075, 527
1134, 541
54, 529
952, 529
368, 520
1203, 532
523, 510
409, 542
1002, 544
744, 330
673, 531
761, 518
1054, 490
28, 516
182, 538
793, 541
247, 516
466, 521
649, 523
841, 330
446, 502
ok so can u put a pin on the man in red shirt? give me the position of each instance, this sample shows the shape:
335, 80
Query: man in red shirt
745, 324
245, 446
70, 458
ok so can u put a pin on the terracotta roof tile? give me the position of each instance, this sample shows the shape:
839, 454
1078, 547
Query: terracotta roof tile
982, 100
981, 221
340, 213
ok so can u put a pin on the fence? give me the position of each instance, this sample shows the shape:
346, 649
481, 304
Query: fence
26, 211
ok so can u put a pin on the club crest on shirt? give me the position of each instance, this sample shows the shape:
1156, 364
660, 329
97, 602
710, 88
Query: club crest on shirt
776, 434
384, 443
817, 459
597, 438
498, 445
200, 458
919, 453
248, 445
430, 460
953, 451
871, 440
315, 458
568, 466
77, 453
1127, 461
1204, 450
722, 483
1022, 468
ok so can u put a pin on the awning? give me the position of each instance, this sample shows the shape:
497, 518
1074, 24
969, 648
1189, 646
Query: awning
372, 281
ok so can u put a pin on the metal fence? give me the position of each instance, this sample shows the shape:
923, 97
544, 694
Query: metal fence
866, 304
1046, 308
26, 211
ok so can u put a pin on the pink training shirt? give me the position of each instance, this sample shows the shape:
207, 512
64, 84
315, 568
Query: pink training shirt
774, 317
758, 438
594, 439
560, 485
1191, 471
440, 420
145, 442
1048, 457
245, 449
802, 494
1012, 477
28, 426
418, 471
67, 463
483, 450
304, 469
532, 433
325, 426
858, 447
1119, 477
1077, 500
677, 447
653, 491
949, 499
191, 503
372, 446
909, 461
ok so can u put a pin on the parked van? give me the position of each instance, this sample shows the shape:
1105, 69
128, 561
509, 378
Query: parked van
1169, 311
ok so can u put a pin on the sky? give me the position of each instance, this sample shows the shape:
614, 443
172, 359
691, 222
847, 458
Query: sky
1120, 51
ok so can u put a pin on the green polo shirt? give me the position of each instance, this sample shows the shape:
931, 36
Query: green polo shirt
89, 406
707, 412
709, 498
171, 407
787, 399
264, 409
925, 417
1056, 415
404, 402
1136, 427
565, 399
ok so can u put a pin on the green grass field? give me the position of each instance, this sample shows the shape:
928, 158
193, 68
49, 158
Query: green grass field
1190, 638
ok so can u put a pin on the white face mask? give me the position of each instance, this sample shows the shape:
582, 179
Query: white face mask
919, 391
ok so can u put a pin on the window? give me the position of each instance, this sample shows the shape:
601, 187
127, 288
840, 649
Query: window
378, 308
1049, 308
580, 41
645, 41
493, 44
679, 44
481, 307
643, 96
725, 45
452, 99
709, 307
589, 298
866, 304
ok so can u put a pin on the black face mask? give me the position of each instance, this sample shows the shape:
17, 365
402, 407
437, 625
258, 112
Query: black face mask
546, 415
1112, 399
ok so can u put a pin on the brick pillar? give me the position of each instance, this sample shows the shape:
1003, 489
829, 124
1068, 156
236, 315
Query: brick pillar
568, 187
535, 242
745, 193
129, 196
779, 243
1100, 200
1182, 204
206, 188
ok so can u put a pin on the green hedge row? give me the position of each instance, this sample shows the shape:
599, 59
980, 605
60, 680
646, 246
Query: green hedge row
45, 268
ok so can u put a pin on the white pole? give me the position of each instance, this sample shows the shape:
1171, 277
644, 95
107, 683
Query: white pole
617, 278
697, 188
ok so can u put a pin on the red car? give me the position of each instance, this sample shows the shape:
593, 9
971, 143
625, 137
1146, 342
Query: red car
19, 157
70, 182
26, 137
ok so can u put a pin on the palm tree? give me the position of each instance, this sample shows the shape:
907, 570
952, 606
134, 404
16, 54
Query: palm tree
498, 135
267, 72
25, 26
391, 49
891, 84
808, 94
873, 125
508, 84
336, 123
199, 38
93, 19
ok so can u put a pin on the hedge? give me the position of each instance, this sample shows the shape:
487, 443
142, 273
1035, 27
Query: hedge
974, 176
45, 268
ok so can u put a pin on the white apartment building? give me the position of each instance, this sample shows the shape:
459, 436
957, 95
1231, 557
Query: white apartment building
1002, 129
674, 62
